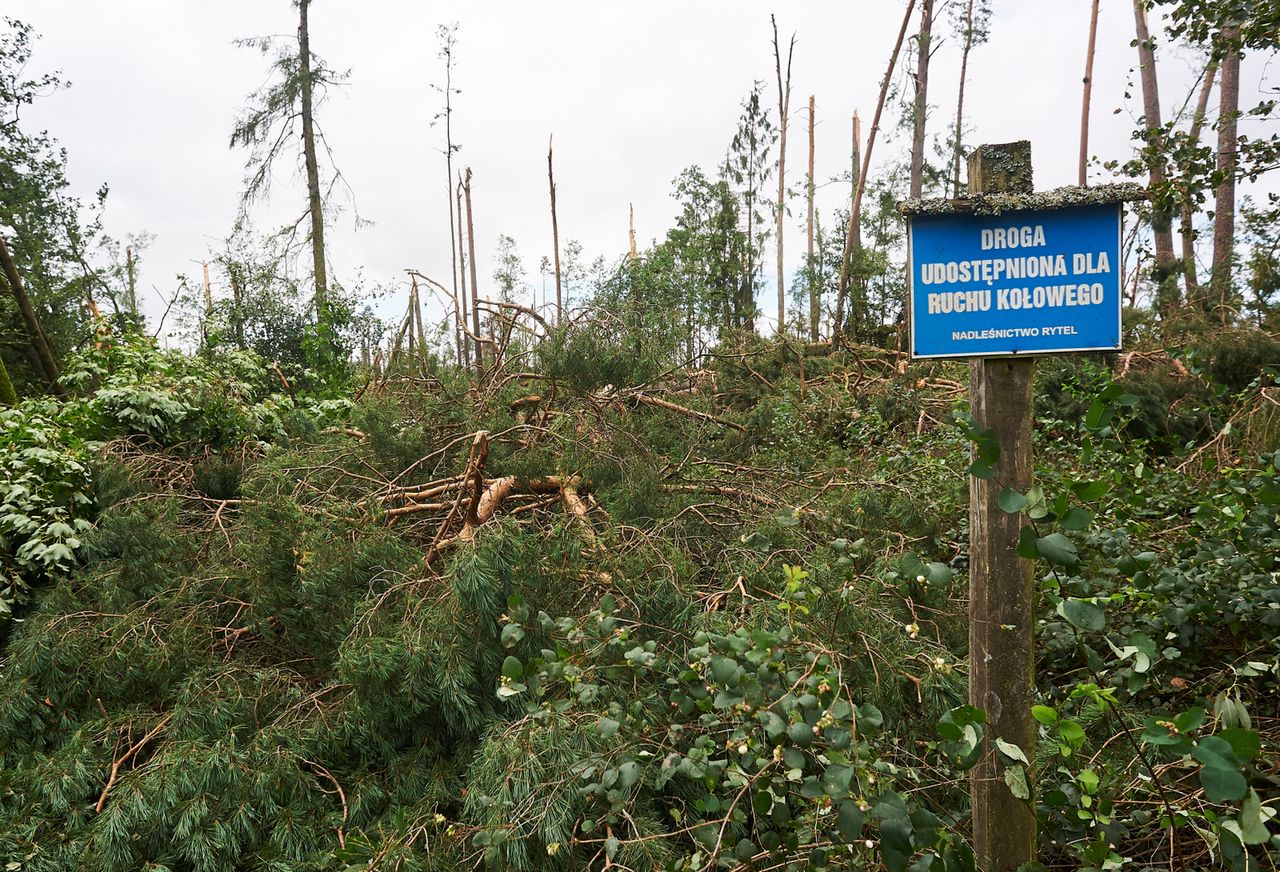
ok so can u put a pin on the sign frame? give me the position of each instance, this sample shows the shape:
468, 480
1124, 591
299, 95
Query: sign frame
1011, 216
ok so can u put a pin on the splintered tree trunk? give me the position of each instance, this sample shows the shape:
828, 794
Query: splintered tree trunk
131, 277
784, 110
1160, 220
461, 299
1002, 592
958, 152
314, 204
237, 301
1188, 230
1224, 209
475, 283
39, 343
855, 211
459, 322
631, 232
1088, 95
208, 290
920, 108
815, 307
555, 235
858, 293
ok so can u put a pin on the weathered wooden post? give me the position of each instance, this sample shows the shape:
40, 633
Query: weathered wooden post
995, 277
1001, 583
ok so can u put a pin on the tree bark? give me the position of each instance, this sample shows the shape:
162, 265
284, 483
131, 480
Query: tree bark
454, 241
131, 277
475, 283
1160, 219
1224, 207
784, 110
461, 299
1087, 95
958, 153
861, 183
8, 396
555, 235
315, 205
920, 108
815, 293
38, 341
1188, 229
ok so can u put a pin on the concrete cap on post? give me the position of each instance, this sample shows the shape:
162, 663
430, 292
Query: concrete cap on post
1003, 167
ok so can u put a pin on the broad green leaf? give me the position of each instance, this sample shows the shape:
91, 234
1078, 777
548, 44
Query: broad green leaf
1057, 549
607, 727
1253, 828
1016, 778
512, 668
1046, 715
1012, 751
1076, 519
1083, 614
1011, 500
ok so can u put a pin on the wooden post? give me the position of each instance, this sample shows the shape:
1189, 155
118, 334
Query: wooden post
1001, 584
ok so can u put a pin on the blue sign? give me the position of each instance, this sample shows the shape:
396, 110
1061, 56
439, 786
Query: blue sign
1022, 282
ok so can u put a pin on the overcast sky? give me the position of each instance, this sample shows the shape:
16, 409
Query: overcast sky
632, 92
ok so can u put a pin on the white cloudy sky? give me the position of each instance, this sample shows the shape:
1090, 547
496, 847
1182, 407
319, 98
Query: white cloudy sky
633, 93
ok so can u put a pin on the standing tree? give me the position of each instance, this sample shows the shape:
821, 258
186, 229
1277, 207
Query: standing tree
920, 106
780, 208
281, 111
975, 29
1224, 197
448, 41
1085, 99
1155, 158
747, 164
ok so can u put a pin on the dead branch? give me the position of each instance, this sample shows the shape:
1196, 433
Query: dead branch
124, 758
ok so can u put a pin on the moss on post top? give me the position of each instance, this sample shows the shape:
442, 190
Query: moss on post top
1002, 167
1058, 198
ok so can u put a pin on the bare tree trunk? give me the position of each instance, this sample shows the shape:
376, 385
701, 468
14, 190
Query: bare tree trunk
784, 111
1160, 220
858, 291
856, 210
920, 108
1088, 95
39, 342
1188, 230
1224, 206
208, 290
463, 307
631, 232
314, 204
459, 318
475, 283
555, 234
417, 320
815, 302
131, 277
958, 151
237, 301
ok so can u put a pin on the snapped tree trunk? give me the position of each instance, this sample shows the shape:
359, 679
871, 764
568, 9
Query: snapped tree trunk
315, 205
1224, 197
1087, 95
920, 108
39, 343
815, 292
958, 150
1188, 229
861, 182
461, 299
475, 283
780, 211
131, 277
555, 234
1161, 220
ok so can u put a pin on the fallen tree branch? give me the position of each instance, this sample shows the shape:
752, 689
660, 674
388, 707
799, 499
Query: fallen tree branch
124, 758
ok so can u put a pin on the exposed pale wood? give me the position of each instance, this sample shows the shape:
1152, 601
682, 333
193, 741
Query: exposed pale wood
475, 282
815, 291
555, 235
